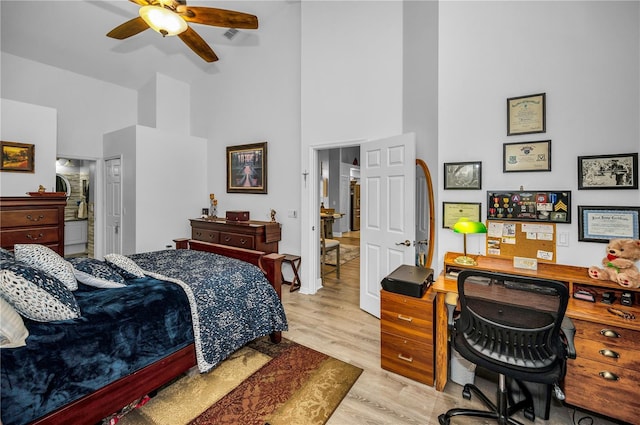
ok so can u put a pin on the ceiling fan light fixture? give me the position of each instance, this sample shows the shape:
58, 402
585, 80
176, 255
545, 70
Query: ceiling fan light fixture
163, 21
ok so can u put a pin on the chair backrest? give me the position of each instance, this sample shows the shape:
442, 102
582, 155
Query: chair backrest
512, 321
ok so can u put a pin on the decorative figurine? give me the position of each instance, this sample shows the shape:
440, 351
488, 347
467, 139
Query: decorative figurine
213, 211
273, 215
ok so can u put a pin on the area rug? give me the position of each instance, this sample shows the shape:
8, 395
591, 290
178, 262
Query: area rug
262, 383
347, 253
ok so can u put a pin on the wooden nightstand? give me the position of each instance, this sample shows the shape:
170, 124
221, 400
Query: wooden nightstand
406, 335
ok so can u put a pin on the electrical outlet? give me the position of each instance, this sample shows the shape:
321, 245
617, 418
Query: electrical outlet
292, 214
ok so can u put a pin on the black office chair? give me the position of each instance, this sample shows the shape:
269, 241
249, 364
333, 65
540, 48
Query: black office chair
510, 325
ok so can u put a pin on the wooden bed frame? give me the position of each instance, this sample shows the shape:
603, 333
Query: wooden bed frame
91, 408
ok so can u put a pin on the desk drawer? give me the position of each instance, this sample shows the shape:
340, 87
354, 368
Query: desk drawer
407, 357
584, 386
607, 353
27, 218
39, 235
406, 316
205, 235
236, 239
608, 335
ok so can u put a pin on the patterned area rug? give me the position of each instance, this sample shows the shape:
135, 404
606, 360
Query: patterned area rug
262, 383
347, 253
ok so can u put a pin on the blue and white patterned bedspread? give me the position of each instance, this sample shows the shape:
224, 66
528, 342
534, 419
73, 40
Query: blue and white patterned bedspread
231, 301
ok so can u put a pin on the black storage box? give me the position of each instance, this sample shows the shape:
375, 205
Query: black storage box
408, 280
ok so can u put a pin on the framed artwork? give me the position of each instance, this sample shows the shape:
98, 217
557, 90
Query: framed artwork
601, 224
247, 168
527, 156
526, 114
19, 157
532, 205
453, 211
463, 175
608, 171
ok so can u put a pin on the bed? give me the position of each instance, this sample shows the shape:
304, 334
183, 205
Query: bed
84, 369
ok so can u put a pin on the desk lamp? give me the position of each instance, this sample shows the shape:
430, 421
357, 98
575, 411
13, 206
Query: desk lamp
465, 226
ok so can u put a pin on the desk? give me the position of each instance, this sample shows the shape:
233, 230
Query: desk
596, 380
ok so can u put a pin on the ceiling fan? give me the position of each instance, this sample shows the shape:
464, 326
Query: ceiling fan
172, 17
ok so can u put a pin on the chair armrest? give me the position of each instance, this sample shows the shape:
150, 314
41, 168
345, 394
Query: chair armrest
569, 331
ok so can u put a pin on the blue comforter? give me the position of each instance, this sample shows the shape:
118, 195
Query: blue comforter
122, 330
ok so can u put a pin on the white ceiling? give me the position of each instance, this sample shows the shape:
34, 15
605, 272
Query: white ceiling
72, 35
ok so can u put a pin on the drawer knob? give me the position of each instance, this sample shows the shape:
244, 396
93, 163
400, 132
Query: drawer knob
609, 376
405, 358
610, 333
34, 238
227, 238
405, 318
40, 217
609, 353
243, 241
198, 234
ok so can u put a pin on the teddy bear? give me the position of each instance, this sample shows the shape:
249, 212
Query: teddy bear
619, 264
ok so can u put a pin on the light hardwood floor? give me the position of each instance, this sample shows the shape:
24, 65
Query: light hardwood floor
332, 322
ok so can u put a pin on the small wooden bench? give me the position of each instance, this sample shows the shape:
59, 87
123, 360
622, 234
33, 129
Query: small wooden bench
294, 261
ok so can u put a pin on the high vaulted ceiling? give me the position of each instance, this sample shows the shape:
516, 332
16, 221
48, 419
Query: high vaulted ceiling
72, 35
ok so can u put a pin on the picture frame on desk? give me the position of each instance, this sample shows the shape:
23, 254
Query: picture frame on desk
601, 224
247, 168
619, 171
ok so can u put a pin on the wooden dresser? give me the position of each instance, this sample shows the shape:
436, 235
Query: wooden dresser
32, 219
604, 377
257, 235
406, 335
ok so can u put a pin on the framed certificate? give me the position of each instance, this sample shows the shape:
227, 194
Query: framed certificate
453, 211
601, 224
528, 156
526, 114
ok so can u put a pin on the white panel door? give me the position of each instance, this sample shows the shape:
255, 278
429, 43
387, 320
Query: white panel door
387, 212
113, 206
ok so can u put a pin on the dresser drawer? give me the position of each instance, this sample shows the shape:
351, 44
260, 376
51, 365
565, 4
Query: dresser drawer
609, 335
407, 357
28, 218
40, 235
585, 385
236, 239
205, 235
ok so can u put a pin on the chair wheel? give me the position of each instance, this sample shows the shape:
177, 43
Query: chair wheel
529, 414
443, 419
466, 393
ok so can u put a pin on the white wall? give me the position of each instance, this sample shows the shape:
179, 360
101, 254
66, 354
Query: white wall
87, 108
256, 98
584, 55
25, 123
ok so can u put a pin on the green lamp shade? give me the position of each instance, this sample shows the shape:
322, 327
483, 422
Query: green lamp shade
466, 226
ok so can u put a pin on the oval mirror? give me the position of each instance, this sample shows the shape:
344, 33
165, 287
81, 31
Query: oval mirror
63, 185
425, 215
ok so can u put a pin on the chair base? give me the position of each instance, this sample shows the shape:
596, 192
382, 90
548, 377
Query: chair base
501, 412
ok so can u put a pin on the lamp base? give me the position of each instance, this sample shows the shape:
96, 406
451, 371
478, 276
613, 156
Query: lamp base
465, 261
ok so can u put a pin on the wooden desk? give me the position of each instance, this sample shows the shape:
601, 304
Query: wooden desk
604, 377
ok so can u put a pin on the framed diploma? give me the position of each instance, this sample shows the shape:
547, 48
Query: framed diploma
526, 114
453, 211
601, 224
528, 156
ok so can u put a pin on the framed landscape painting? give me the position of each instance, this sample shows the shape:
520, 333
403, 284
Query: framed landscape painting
19, 157
247, 168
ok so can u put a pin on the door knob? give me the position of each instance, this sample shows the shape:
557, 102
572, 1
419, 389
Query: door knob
405, 243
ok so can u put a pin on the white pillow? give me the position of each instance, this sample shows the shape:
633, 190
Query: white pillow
124, 265
13, 332
46, 259
96, 273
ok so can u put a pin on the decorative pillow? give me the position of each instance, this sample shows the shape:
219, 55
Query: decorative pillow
96, 273
13, 332
124, 265
5, 254
46, 259
36, 294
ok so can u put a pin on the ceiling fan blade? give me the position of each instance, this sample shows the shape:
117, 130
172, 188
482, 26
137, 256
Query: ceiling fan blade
220, 17
198, 45
129, 28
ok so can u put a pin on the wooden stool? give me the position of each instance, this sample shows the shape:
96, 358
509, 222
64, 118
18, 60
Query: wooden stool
294, 261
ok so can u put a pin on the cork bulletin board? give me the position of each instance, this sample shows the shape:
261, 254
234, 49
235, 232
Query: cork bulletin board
509, 239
